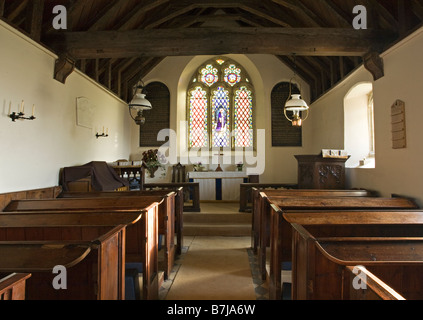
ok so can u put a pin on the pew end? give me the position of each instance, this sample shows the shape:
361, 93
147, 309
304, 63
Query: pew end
12, 286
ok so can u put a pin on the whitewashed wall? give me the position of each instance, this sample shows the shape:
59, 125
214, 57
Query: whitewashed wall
397, 171
32, 152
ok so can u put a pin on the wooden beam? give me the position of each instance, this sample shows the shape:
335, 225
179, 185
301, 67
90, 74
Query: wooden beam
34, 18
374, 64
63, 68
200, 41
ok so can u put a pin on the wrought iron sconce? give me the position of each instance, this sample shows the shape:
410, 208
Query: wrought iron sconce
21, 114
102, 135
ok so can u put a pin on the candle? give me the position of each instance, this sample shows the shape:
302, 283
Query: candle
10, 108
33, 109
22, 107
107, 131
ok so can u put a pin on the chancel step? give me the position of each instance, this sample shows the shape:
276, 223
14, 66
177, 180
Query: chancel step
217, 224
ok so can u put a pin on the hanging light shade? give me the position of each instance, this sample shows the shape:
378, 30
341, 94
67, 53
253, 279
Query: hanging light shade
296, 105
139, 103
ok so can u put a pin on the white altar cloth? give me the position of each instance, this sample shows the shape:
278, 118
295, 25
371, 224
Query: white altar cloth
219, 185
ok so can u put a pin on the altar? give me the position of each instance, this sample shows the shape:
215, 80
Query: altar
219, 185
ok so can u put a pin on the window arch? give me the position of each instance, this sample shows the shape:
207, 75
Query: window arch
359, 126
220, 106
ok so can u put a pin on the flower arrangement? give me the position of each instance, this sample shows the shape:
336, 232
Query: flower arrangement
198, 167
152, 160
239, 166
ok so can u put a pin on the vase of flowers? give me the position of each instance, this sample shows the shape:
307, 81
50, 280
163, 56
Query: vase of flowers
198, 167
151, 159
239, 166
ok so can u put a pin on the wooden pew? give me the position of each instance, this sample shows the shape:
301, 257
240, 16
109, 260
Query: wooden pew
281, 235
261, 209
193, 187
375, 289
169, 224
166, 213
94, 267
360, 229
12, 286
246, 191
397, 261
141, 233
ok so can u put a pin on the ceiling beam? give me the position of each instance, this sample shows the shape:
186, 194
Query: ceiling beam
204, 41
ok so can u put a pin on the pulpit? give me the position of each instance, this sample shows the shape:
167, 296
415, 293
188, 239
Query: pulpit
318, 172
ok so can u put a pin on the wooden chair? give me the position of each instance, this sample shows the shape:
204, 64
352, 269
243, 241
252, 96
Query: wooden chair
178, 173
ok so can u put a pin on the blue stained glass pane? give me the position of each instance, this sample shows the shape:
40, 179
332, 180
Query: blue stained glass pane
221, 118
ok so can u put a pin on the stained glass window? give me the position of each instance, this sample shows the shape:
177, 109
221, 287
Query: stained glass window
221, 118
243, 118
220, 106
232, 75
209, 75
198, 118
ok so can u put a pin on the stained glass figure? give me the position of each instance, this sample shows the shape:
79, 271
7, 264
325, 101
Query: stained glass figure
221, 118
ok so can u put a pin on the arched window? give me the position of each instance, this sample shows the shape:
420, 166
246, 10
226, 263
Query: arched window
359, 126
220, 106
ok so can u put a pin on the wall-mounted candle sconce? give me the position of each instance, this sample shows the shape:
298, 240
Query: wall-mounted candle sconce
102, 135
21, 114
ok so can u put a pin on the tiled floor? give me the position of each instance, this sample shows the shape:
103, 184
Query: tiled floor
260, 287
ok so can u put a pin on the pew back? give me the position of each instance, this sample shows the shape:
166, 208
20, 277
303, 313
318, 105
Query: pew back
136, 249
141, 235
328, 240
94, 269
374, 289
12, 286
278, 233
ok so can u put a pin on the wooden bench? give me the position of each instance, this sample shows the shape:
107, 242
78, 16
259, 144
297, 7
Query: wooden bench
166, 213
12, 286
375, 289
141, 233
169, 224
355, 227
193, 187
397, 261
246, 192
179, 207
94, 265
261, 209
280, 232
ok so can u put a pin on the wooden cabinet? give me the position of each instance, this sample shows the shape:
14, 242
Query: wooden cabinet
133, 173
317, 172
